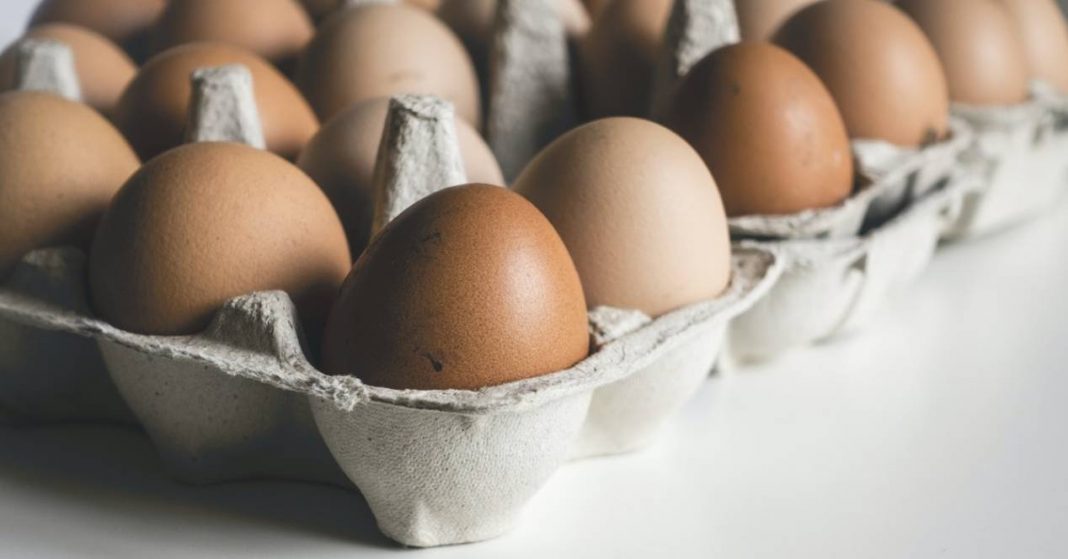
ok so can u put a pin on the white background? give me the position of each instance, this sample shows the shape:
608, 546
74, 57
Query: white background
941, 431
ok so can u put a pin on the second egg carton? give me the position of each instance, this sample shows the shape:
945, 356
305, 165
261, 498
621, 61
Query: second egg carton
1020, 156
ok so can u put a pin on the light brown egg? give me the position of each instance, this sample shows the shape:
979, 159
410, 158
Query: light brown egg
207, 222
881, 70
979, 47
153, 110
639, 212
1042, 28
470, 287
128, 23
382, 50
618, 57
103, 68
341, 159
473, 21
758, 20
767, 128
277, 30
62, 163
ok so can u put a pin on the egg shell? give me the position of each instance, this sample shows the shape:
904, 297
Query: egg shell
639, 212
980, 49
760, 19
881, 70
1042, 28
468, 288
207, 222
767, 128
276, 30
618, 57
380, 50
341, 159
103, 68
153, 110
126, 22
61, 162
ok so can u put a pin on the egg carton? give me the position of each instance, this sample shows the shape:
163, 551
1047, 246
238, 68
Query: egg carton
891, 178
1021, 156
241, 401
836, 284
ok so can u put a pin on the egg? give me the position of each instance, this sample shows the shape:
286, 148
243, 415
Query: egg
276, 30
103, 68
207, 222
881, 70
759, 19
473, 21
767, 128
979, 47
639, 212
380, 50
1041, 26
152, 112
341, 159
126, 22
62, 162
618, 57
469, 287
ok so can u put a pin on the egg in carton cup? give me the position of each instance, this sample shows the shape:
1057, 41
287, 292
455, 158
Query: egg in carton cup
843, 261
50, 376
240, 400
1020, 154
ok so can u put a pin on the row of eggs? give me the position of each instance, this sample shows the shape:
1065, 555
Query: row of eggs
475, 285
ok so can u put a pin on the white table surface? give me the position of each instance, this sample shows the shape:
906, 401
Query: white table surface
941, 431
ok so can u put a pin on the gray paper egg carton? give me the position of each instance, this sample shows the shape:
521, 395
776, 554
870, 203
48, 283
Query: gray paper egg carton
1020, 156
842, 263
240, 400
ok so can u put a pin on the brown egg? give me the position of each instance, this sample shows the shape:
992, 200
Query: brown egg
381, 50
103, 68
473, 21
470, 287
767, 128
126, 22
1041, 26
618, 57
759, 19
277, 30
341, 159
979, 46
152, 111
881, 70
62, 163
639, 212
207, 222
